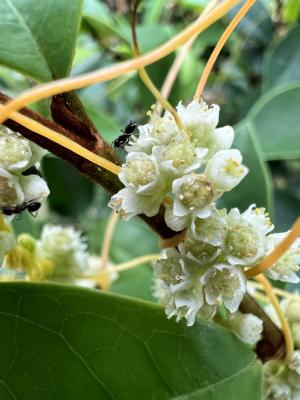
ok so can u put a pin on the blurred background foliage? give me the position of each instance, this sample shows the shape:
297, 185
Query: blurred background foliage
256, 81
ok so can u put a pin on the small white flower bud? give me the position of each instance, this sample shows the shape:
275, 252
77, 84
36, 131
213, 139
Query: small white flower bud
224, 283
245, 238
34, 188
7, 241
225, 171
247, 327
65, 248
201, 252
295, 363
212, 229
15, 151
286, 267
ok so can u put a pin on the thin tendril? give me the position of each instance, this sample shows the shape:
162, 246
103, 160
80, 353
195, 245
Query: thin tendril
223, 39
279, 292
144, 75
109, 231
126, 265
64, 85
63, 141
179, 59
279, 250
283, 322
104, 281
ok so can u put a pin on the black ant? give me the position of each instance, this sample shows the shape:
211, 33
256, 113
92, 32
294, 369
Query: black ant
31, 206
123, 139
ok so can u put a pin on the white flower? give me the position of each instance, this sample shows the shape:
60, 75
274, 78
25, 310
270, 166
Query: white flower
224, 170
169, 269
224, 283
295, 363
65, 248
286, 267
127, 203
222, 139
145, 187
198, 251
210, 230
179, 157
34, 188
280, 390
185, 304
141, 173
15, 151
244, 243
193, 197
7, 241
158, 132
199, 120
247, 327
11, 192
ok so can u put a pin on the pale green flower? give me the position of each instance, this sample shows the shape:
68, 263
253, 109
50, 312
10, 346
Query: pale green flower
34, 188
210, 230
225, 170
224, 284
286, 267
193, 197
245, 238
247, 327
66, 250
15, 151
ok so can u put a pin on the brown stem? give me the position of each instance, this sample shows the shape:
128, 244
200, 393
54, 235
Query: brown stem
102, 177
272, 344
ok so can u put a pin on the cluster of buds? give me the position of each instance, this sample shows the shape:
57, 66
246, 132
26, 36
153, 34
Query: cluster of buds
283, 381
188, 170
18, 185
59, 255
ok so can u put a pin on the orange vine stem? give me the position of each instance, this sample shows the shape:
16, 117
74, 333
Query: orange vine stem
283, 322
179, 59
223, 39
64, 85
274, 256
63, 141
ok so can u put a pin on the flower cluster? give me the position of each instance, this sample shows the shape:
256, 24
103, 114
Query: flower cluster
282, 382
208, 267
188, 168
60, 255
17, 184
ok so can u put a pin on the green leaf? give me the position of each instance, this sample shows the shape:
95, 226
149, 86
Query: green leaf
38, 38
60, 342
287, 209
281, 62
291, 11
256, 186
276, 120
99, 17
70, 192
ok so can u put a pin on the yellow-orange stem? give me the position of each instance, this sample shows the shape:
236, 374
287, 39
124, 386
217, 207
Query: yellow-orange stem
144, 75
223, 39
283, 322
63, 141
105, 74
179, 59
279, 250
